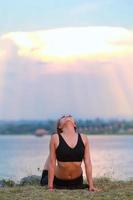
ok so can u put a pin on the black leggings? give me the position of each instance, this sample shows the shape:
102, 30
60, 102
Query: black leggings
76, 183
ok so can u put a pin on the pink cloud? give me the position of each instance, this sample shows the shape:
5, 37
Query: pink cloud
86, 86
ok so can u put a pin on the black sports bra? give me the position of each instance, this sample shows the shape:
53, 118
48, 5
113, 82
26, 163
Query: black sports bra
65, 153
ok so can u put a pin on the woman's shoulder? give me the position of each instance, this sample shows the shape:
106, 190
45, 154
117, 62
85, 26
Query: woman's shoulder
54, 138
84, 137
54, 135
83, 134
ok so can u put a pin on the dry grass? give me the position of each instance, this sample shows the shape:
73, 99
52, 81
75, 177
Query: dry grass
111, 190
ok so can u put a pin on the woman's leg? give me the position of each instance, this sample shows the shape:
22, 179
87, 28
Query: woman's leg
44, 177
46, 164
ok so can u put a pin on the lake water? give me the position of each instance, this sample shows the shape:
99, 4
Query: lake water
25, 155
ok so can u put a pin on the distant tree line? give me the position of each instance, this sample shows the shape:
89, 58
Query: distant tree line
25, 126
88, 126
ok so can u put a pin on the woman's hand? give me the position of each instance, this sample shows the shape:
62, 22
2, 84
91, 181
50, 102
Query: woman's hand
93, 189
51, 189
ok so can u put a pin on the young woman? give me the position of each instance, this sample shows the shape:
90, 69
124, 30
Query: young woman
69, 148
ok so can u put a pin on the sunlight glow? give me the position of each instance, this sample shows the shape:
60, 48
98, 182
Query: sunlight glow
68, 44
93, 63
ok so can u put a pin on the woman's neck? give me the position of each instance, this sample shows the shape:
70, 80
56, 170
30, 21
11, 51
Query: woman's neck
68, 129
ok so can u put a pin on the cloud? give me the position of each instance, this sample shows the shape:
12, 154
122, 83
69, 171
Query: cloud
67, 45
84, 71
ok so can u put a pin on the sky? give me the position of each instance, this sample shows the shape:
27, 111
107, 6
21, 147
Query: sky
66, 57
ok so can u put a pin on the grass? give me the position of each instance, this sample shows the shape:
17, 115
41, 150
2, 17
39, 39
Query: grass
111, 190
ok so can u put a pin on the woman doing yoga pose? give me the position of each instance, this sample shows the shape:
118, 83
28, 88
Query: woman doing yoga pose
68, 148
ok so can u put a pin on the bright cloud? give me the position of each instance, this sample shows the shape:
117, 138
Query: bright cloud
91, 65
73, 43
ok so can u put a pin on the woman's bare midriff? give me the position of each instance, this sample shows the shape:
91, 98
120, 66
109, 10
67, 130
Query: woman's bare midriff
68, 170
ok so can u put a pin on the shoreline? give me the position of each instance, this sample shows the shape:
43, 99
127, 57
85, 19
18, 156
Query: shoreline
35, 180
37, 177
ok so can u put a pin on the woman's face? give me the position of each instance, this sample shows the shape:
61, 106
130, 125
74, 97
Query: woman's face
64, 119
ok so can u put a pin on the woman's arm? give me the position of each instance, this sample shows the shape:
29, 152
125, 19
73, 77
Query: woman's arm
52, 162
88, 164
88, 167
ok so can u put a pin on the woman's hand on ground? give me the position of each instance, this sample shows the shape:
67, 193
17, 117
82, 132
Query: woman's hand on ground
93, 189
50, 189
